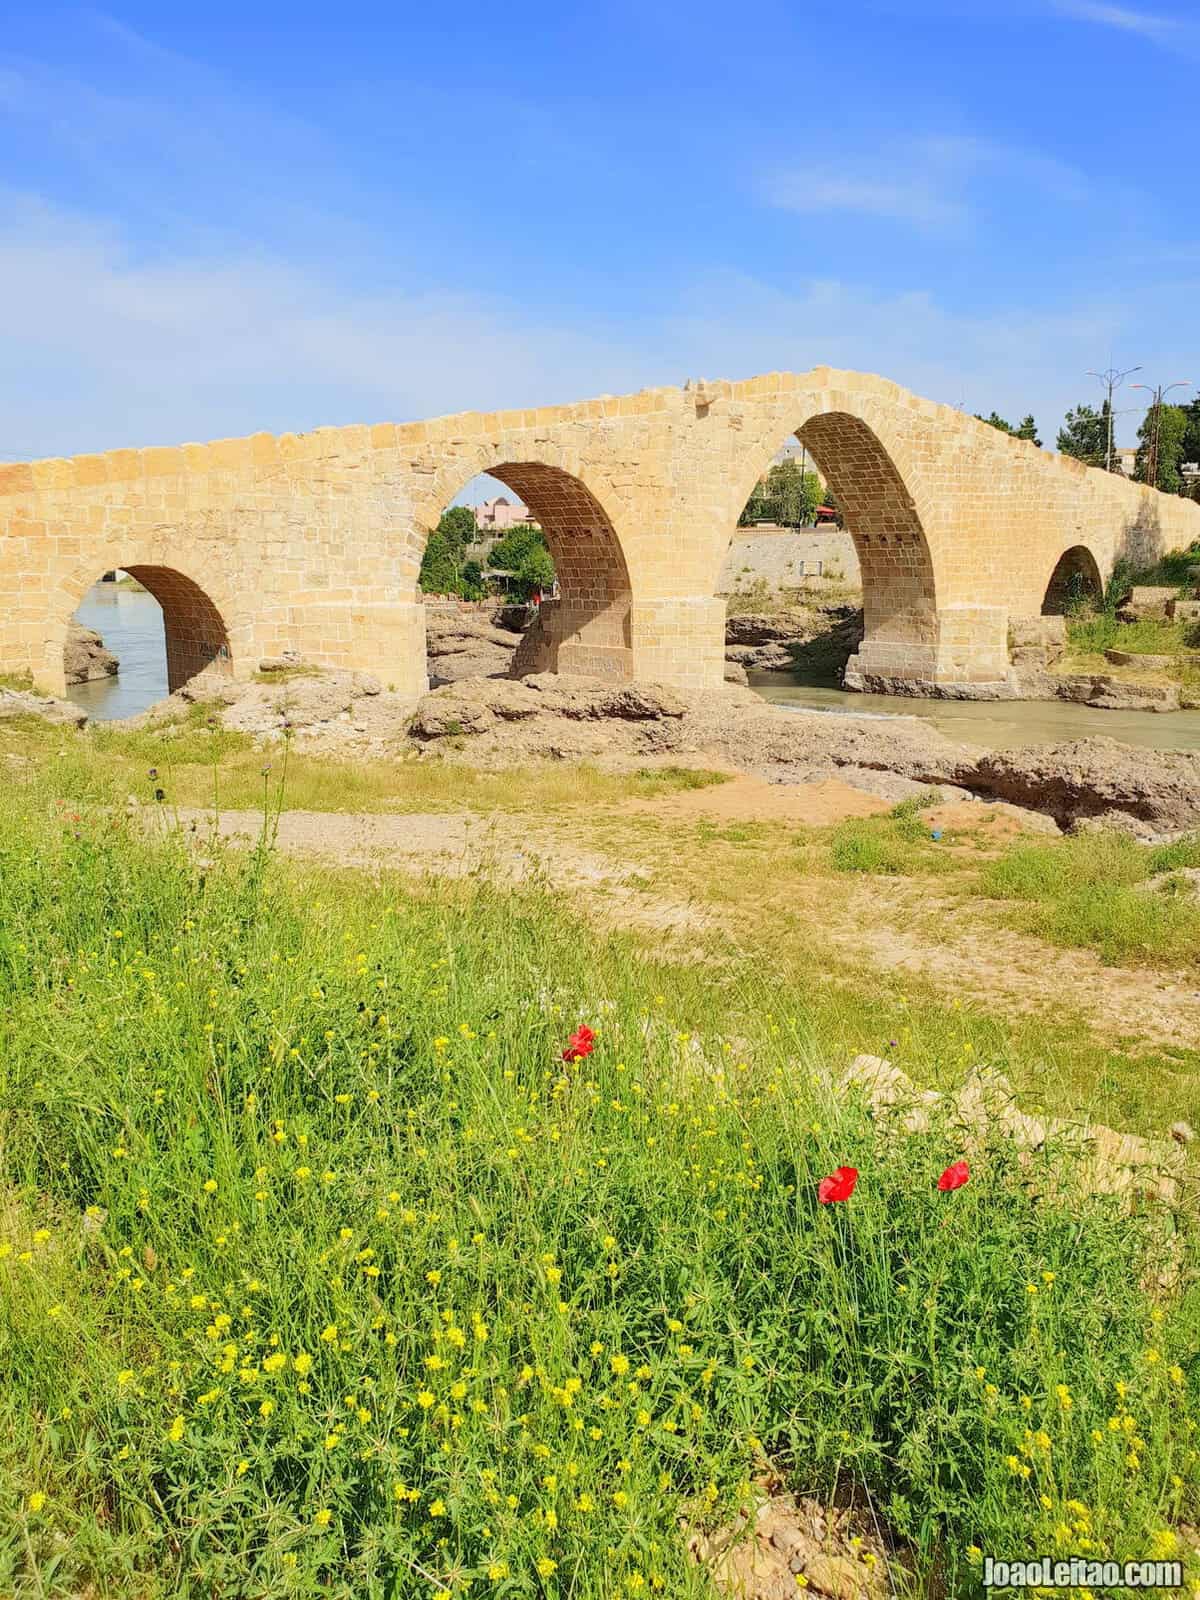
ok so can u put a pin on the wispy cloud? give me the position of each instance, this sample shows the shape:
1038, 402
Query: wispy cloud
1172, 32
931, 183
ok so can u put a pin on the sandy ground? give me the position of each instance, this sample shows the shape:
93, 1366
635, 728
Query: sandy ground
461, 845
962, 950
749, 799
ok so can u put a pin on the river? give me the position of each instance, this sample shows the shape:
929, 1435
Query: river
995, 724
130, 623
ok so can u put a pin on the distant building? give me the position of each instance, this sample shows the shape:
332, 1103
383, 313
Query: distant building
495, 516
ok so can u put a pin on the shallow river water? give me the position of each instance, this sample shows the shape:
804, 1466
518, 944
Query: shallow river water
995, 724
130, 623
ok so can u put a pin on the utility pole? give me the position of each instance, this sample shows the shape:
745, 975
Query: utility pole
1156, 406
1112, 379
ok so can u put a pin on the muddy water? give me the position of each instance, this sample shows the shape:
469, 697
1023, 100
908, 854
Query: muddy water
994, 724
130, 621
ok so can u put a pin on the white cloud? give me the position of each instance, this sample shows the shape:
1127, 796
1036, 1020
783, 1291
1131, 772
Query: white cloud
930, 183
1169, 31
103, 348
914, 200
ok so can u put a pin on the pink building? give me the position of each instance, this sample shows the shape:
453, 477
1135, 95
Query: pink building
494, 516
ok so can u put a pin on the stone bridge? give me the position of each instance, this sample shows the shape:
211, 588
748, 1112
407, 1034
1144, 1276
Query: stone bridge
312, 542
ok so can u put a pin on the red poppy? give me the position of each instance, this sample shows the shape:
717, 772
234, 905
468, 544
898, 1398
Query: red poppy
954, 1177
839, 1187
581, 1043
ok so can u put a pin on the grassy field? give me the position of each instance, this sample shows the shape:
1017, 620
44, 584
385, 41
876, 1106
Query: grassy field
196, 764
323, 1271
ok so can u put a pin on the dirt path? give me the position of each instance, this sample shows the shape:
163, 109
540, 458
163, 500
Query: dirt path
963, 950
461, 845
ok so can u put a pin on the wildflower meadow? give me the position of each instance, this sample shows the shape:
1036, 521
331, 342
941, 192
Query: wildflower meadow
360, 1238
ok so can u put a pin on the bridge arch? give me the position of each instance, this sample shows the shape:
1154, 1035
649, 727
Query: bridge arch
1076, 578
200, 632
879, 511
586, 627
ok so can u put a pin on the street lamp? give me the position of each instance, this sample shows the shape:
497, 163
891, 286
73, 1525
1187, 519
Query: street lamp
1156, 406
1112, 379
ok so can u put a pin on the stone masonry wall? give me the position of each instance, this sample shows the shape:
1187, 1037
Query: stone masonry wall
786, 557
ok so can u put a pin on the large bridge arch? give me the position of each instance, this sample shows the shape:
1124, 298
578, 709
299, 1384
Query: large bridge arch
587, 628
1075, 579
900, 615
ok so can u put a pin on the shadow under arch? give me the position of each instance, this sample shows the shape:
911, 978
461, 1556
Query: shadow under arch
900, 620
587, 629
1075, 579
195, 632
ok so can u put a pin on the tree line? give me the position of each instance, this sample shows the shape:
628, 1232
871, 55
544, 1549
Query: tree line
447, 569
1168, 439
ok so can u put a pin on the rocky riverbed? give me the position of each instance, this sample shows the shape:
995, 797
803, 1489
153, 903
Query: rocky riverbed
496, 722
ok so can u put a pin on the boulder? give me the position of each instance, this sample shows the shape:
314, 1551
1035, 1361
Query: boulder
755, 628
1116, 694
85, 657
1147, 600
1096, 778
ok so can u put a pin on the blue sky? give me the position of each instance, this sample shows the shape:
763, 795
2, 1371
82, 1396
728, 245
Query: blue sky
232, 217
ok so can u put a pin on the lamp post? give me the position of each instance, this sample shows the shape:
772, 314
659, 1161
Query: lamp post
1156, 406
1112, 379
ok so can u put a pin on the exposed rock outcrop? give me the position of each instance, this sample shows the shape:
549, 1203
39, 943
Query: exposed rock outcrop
85, 657
1097, 779
468, 644
822, 636
23, 703
499, 721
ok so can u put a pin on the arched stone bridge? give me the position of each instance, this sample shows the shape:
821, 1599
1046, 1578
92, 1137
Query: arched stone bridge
312, 542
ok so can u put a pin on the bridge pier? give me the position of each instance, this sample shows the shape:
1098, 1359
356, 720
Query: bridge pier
966, 658
679, 641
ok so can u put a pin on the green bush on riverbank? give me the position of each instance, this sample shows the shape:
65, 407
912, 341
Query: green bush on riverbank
322, 1269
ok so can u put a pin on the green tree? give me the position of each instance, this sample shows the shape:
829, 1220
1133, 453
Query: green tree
995, 421
458, 527
786, 496
439, 566
1160, 448
508, 553
536, 570
1191, 437
1084, 434
442, 570
1025, 429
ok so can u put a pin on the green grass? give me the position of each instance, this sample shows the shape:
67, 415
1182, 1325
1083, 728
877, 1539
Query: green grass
322, 1271
1093, 633
195, 762
1090, 891
900, 844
